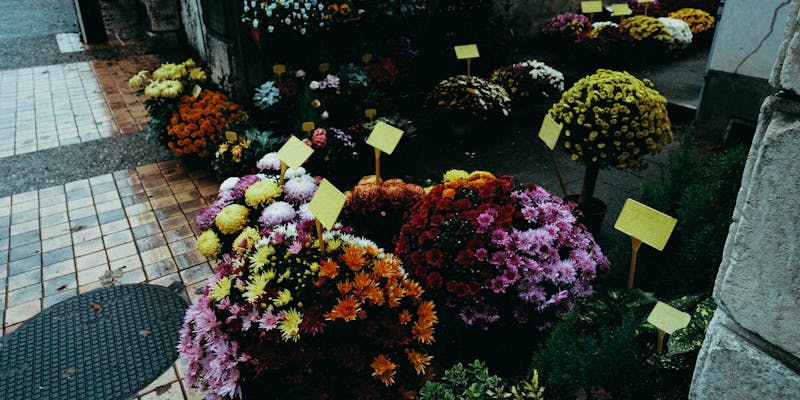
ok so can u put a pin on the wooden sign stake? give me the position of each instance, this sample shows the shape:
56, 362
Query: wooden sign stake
660, 346
378, 179
646, 5
469, 65
319, 236
635, 245
283, 173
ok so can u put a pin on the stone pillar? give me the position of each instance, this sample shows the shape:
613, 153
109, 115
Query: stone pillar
164, 23
752, 347
527, 17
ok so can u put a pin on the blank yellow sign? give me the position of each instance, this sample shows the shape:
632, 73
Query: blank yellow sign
294, 152
668, 318
550, 131
279, 68
384, 137
327, 203
645, 1
620, 10
231, 136
370, 113
367, 57
591, 7
646, 224
467, 51
308, 126
324, 67
196, 91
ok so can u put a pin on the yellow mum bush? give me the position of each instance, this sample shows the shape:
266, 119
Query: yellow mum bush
642, 27
208, 243
232, 219
698, 20
611, 118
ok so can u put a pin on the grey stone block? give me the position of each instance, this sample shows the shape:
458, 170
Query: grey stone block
162, 40
163, 15
731, 368
786, 73
759, 280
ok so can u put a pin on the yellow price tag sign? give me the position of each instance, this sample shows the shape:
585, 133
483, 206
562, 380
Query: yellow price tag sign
550, 131
324, 67
591, 7
196, 91
327, 203
231, 136
370, 113
366, 58
645, 1
467, 51
620, 10
279, 68
646, 224
667, 318
294, 152
384, 137
308, 126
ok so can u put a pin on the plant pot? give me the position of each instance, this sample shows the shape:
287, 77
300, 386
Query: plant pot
592, 217
255, 35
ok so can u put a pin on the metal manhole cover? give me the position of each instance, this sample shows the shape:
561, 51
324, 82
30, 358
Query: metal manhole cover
106, 344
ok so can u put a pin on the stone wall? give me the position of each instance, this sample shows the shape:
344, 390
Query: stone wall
752, 347
193, 26
164, 23
746, 43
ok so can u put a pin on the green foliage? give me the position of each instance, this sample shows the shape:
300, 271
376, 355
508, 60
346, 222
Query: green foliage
699, 190
605, 347
475, 382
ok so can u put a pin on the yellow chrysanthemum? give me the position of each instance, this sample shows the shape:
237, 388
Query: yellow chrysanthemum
245, 241
170, 89
454, 175
169, 71
255, 288
698, 20
283, 298
262, 256
190, 63
290, 325
232, 219
152, 90
220, 290
208, 243
262, 193
137, 80
197, 74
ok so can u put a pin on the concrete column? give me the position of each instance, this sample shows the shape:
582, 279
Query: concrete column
164, 22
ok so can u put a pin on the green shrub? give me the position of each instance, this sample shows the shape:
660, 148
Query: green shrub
475, 382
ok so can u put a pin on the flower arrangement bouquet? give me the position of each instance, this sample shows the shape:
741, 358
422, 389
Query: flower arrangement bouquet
469, 95
195, 129
246, 205
376, 209
611, 119
529, 80
503, 261
567, 26
699, 21
239, 154
278, 320
164, 87
680, 34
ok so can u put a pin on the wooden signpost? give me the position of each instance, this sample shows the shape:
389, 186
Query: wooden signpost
549, 132
646, 5
384, 138
644, 225
467, 52
591, 8
326, 205
293, 154
668, 320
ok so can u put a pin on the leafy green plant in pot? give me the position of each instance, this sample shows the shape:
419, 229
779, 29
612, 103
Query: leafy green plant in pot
610, 119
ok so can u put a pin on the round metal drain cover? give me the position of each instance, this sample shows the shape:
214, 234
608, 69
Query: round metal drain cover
106, 344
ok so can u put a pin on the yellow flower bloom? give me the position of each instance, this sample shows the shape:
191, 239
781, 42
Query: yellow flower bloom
137, 80
208, 243
262, 256
220, 290
197, 74
290, 325
454, 175
255, 288
232, 219
246, 240
283, 298
262, 193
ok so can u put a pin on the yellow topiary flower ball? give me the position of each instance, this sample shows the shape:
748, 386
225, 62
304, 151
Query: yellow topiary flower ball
611, 118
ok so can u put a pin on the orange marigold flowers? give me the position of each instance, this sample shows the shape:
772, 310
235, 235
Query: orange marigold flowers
347, 309
418, 360
383, 369
195, 127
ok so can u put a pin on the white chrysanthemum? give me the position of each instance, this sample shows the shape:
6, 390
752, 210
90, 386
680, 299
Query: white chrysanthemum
277, 213
270, 161
304, 213
299, 189
228, 184
680, 34
294, 173
540, 70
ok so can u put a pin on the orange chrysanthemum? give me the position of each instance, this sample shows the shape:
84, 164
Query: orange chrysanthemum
353, 257
195, 127
394, 293
418, 360
413, 289
383, 369
423, 328
405, 317
344, 287
387, 267
328, 269
347, 309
